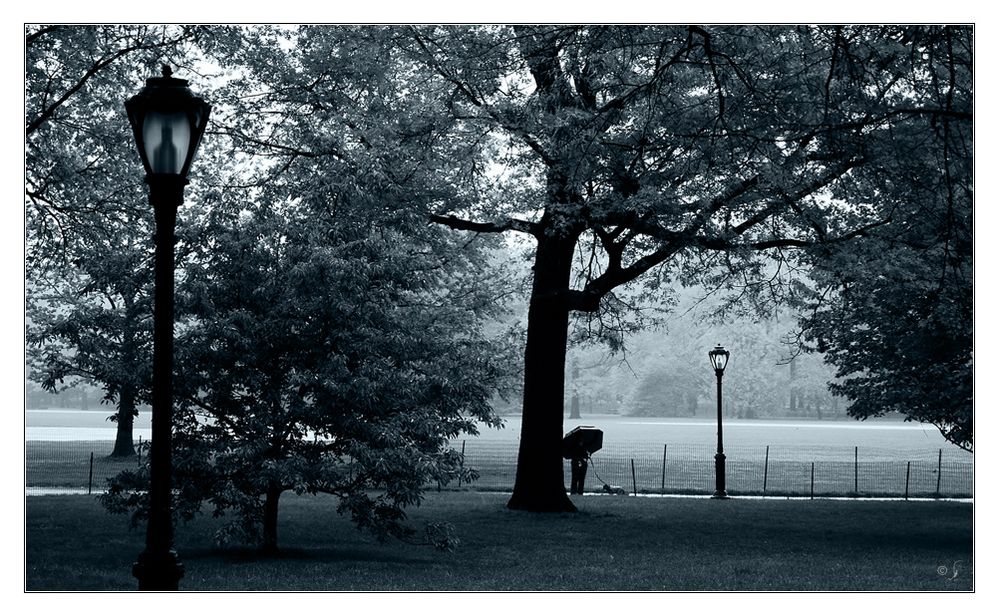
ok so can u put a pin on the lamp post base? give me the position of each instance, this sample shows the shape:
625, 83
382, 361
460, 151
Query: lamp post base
160, 571
720, 476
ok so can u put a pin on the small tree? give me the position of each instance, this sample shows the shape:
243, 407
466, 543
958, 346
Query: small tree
91, 323
323, 356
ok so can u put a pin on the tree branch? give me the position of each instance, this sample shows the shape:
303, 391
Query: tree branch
511, 224
98, 66
29, 39
469, 95
588, 300
619, 102
726, 243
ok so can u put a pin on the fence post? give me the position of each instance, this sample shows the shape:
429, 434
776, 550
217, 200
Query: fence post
937, 491
906, 491
635, 490
90, 480
663, 478
812, 479
138, 453
767, 452
461, 465
855, 470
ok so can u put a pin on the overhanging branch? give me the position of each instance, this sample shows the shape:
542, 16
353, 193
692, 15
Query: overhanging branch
726, 243
589, 298
510, 224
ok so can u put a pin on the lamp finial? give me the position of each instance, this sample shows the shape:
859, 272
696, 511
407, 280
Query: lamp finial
167, 71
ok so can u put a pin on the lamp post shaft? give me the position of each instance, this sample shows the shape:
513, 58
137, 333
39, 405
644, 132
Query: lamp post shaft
720, 456
718, 398
158, 567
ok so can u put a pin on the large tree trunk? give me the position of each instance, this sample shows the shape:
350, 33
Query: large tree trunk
269, 545
539, 484
124, 445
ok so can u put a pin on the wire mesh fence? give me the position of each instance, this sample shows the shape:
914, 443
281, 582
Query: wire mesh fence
74, 464
646, 468
635, 467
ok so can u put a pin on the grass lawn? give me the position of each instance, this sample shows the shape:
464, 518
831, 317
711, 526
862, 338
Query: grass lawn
613, 543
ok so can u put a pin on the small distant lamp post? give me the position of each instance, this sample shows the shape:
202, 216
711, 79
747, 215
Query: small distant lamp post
719, 358
168, 121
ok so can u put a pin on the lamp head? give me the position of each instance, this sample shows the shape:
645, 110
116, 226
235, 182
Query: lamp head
719, 358
168, 121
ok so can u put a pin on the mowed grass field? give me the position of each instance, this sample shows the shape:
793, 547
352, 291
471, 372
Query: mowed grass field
788, 439
612, 543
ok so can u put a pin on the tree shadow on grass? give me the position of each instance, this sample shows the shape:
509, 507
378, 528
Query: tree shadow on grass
240, 555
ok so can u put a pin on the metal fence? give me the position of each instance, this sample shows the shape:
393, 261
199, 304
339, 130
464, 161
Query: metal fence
636, 467
644, 468
75, 464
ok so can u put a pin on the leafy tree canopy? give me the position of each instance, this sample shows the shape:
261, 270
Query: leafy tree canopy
894, 311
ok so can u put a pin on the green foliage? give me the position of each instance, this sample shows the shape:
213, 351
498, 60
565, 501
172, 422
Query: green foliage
662, 394
88, 265
903, 342
729, 156
89, 321
83, 181
89, 324
325, 342
766, 376
314, 362
894, 312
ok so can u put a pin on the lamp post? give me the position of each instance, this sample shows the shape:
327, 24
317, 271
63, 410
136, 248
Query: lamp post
168, 121
719, 358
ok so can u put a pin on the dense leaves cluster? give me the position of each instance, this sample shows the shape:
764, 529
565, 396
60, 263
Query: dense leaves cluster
314, 358
894, 311
92, 324
88, 264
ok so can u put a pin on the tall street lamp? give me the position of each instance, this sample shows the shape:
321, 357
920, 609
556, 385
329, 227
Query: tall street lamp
168, 121
719, 358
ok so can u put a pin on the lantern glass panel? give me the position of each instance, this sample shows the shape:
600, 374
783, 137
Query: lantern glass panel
167, 137
719, 358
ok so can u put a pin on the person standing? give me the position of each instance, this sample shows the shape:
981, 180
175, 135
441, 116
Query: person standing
578, 469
